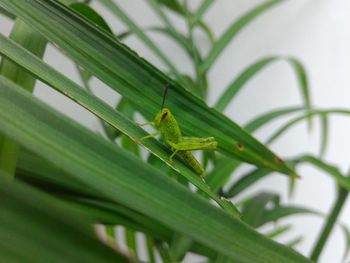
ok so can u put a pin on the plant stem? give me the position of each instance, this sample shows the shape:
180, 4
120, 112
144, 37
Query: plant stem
327, 229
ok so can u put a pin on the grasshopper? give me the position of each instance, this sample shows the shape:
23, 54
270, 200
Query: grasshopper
168, 127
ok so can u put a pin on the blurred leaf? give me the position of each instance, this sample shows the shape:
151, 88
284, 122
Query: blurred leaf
233, 30
119, 176
208, 31
294, 242
278, 231
329, 169
39, 173
265, 118
306, 116
324, 134
237, 84
179, 246
90, 14
126, 108
36, 44
176, 36
35, 227
221, 173
202, 9
172, 5
278, 212
4, 12
222, 259
164, 252
140, 82
246, 181
154, 4
347, 241
110, 232
150, 249
77, 94
265, 207
253, 208
101, 109
230, 207
300, 71
328, 226
115, 9
130, 237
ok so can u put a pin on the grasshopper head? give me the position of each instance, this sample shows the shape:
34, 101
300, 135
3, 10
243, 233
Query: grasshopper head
162, 115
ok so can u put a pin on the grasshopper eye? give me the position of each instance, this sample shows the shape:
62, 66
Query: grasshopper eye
164, 115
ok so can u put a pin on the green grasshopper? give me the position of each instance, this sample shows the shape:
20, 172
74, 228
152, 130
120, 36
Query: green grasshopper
167, 126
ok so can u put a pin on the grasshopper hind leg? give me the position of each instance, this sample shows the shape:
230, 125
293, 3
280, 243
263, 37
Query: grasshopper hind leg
192, 162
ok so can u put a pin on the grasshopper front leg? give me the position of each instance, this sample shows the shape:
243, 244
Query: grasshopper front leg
150, 136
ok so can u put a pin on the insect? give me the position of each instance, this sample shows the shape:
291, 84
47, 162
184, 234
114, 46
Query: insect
168, 127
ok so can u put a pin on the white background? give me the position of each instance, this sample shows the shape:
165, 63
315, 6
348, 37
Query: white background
314, 31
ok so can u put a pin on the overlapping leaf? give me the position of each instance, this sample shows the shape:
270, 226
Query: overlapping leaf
98, 107
138, 81
35, 227
121, 177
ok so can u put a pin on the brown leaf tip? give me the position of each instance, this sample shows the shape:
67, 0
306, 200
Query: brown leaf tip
240, 146
278, 160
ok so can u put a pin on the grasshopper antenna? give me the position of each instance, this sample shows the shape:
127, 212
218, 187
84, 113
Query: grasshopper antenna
167, 86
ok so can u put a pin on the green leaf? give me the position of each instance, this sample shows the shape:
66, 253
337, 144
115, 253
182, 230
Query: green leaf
294, 242
36, 44
109, 230
179, 246
35, 227
245, 181
306, 116
223, 169
303, 83
253, 208
237, 84
146, 88
208, 31
278, 231
101, 109
202, 9
169, 28
107, 169
233, 30
164, 252
150, 249
221, 173
6, 13
278, 212
347, 243
324, 134
38, 172
130, 237
329, 224
265, 118
115, 9
329, 169
90, 14
230, 207
140, 82
172, 5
